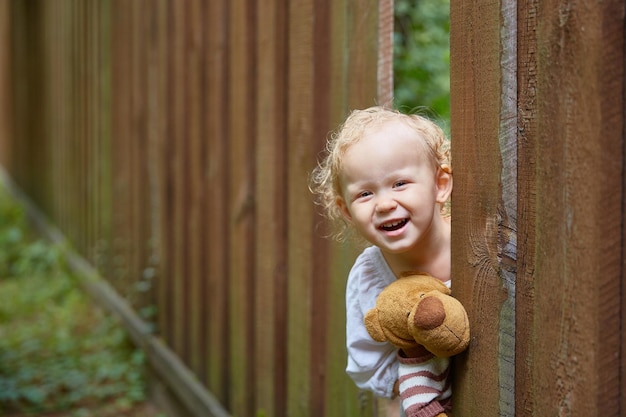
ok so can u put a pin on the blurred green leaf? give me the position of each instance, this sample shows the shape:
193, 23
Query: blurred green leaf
422, 56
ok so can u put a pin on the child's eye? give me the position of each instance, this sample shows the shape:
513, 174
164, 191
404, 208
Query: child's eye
399, 184
364, 194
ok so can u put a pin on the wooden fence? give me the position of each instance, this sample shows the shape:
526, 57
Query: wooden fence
538, 225
171, 142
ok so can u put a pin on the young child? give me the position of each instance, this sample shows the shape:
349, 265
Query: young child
387, 177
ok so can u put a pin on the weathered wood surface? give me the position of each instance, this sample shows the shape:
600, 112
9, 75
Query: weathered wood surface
475, 123
537, 126
171, 142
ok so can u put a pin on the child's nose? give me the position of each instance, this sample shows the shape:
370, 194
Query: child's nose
386, 204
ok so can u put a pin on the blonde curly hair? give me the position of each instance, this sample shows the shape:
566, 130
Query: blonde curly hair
325, 178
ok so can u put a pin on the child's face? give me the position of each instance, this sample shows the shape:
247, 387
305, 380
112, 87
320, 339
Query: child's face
391, 193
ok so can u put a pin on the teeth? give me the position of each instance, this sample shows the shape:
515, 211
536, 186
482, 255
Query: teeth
393, 225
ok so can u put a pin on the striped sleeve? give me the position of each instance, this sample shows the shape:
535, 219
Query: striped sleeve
424, 385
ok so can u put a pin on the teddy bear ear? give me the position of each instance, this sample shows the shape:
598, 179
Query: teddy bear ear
372, 324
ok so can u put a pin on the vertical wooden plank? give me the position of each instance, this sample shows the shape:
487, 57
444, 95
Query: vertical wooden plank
475, 114
129, 185
18, 68
98, 18
62, 90
205, 198
300, 236
68, 165
527, 148
144, 235
362, 51
79, 143
342, 394
156, 112
69, 181
85, 137
161, 142
56, 91
217, 226
104, 236
319, 285
94, 184
242, 205
196, 189
573, 273
6, 107
176, 143
120, 145
48, 114
384, 52
91, 162
271, 228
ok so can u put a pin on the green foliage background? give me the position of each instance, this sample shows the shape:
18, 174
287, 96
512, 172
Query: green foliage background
57, 351
422, 57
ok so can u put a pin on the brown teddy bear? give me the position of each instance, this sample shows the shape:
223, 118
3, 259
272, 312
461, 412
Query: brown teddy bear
417, 314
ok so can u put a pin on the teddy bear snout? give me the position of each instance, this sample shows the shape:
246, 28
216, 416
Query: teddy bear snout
430, 313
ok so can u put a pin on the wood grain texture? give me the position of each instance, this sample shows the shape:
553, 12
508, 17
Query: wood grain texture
477, 197
545, 188
577, 270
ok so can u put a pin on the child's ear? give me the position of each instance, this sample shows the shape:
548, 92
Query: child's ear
343, 207
444, 183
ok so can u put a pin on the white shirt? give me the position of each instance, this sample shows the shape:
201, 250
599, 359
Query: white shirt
372, 365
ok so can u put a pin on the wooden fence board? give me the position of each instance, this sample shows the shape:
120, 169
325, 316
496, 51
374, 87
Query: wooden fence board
475, 107
337, 386
299, 239
527, 105
176, 91
218, 231
560, 300
121, 84
363, 22
320, 276
271, 210
91, 108
6, 109
159, 146
241, 217
102, 171
579, 208
197, 187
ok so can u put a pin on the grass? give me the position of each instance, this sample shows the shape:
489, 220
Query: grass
59, 354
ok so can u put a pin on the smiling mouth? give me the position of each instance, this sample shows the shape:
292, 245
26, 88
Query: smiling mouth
394, 225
